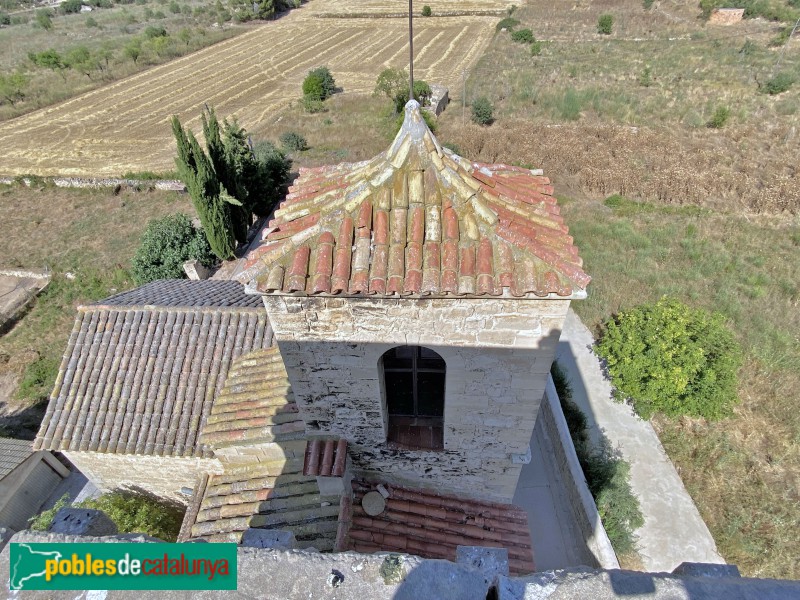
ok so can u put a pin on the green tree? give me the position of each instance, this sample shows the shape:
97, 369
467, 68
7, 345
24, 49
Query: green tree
392, 82
523, 36
133, 50
274, 171
44, 18
165, 245
231, 158
482, 111
426, 11
49, 59
605, 24
197, 172
80, 59
319, 84
670, 358
12, 87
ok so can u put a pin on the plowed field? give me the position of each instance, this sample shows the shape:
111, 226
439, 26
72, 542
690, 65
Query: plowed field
125, 126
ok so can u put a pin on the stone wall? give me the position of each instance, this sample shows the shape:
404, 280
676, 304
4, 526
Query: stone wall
581, 504
163, 476
498, 354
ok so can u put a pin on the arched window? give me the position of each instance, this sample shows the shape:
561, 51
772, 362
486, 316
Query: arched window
414, 384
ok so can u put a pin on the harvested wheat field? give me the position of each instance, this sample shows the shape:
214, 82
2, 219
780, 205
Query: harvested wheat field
125, 126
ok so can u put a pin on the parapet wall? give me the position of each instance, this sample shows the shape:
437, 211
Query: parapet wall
581, 503
299, 574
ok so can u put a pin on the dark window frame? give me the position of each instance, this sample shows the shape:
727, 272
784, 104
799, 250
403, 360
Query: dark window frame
429, 427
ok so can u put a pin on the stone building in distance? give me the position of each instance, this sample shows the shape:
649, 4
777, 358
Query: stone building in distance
384, 400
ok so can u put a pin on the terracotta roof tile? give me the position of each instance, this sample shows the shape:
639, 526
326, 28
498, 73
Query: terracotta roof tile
432, 526
327, 458
418, 220
140, 378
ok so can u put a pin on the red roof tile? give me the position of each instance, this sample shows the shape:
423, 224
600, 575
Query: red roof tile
432, 526
327, 458
418, 220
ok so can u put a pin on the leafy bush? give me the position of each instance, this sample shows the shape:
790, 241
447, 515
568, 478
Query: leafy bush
44, 519
719, 118
91, 22
482, 111
667, 357
70, 7
647, 4
523, 36
5, 19
154, 31
275, 170
293, 142
778, 84
607, 474
508, 23
319, 84
426, 11
536, 47
44, 18
605, 24
140, 513
166, 244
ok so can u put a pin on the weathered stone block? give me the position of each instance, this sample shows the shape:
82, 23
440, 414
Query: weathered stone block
277, 539
82, 521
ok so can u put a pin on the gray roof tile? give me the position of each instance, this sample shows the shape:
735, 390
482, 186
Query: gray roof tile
185, 293
12, 454
140, 377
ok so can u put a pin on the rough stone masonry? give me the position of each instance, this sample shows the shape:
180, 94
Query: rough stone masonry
498, 352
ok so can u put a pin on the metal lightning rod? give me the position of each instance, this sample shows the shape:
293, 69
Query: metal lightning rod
410, 51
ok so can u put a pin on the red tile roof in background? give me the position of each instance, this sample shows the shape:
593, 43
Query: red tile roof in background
418, 220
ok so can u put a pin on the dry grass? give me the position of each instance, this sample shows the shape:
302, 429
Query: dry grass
90, 234
743, 472
252, 76
116, 27
582, 111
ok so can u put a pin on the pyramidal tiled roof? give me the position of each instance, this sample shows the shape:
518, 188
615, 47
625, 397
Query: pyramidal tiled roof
418, 220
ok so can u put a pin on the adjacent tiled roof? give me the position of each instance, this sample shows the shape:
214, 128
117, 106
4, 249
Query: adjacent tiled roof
432, 526
12, 454
256, 404
327, 458
140, 378
185, 293
267, 495
418, 220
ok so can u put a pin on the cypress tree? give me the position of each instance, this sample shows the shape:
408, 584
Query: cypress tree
197, 172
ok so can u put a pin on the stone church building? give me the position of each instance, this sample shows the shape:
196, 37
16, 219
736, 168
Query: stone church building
371, 383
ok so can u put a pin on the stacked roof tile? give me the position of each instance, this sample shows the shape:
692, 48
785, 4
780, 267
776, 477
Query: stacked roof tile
256, 404
418, 220
141, 369
327, 458
433, 526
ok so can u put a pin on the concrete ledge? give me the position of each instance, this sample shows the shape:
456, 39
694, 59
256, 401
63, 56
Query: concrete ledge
296, 574
585, 513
